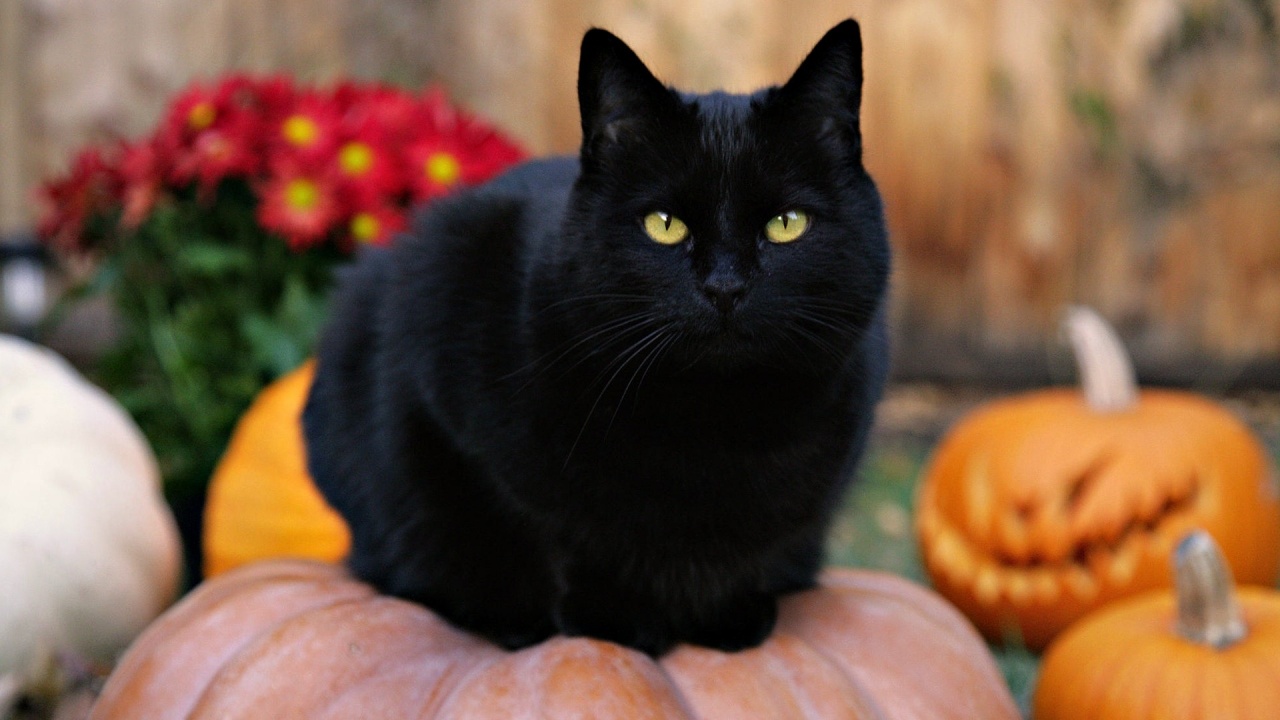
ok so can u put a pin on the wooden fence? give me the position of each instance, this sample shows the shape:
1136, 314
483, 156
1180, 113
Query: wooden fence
1032, 153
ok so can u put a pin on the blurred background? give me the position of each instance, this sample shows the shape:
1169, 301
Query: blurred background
1123, 154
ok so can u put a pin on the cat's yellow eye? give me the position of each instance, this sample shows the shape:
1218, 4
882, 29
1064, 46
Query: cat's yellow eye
787, 227
665, 228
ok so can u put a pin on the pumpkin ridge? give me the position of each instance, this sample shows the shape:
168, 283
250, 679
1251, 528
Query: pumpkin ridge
451, 681
194, 611
232, 662
863, 699
457, 678
550, 674
849, 584
349, 612
858, 601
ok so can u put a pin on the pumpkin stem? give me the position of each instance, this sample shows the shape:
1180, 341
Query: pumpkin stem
1105, 370
1208, 613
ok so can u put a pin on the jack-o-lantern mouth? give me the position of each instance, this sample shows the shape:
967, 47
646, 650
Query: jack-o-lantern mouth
1144, 519
1075, 540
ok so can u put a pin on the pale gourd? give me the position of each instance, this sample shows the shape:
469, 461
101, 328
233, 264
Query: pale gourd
89, 552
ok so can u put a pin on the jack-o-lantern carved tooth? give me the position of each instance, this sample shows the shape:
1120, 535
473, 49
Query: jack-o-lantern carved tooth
954, 558
1013, 538
1045, 586
1018, 587
1080, 583
1051, 543
1124, 563
986, 584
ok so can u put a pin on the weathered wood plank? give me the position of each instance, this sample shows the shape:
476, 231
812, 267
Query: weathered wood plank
13, 126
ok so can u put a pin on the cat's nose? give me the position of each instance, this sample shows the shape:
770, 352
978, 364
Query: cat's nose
724, 292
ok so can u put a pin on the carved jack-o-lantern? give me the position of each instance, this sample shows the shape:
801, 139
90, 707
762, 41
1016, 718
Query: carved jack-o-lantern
1041, 507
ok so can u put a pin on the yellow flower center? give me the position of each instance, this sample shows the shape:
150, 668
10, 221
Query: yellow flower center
355, 158
365, 227
300, 130
201, 115
301, 194
443, 168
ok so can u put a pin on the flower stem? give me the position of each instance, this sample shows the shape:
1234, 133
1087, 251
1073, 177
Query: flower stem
1106, 374
1208, 612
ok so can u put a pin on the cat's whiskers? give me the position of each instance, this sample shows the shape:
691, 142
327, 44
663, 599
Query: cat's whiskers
592, 298
619, 327
803, 325
642, 371
617, 365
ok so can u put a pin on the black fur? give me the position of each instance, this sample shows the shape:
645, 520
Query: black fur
537, 420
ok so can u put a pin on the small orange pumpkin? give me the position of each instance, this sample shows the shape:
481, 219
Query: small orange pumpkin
1039, 508
262, 502
1205, 652
301, 639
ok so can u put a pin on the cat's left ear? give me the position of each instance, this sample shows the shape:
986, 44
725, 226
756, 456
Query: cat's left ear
616, 92
827, 86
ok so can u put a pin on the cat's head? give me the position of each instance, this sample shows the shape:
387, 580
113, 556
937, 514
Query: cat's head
738, 227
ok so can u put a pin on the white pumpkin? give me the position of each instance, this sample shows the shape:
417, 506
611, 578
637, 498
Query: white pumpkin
89, 552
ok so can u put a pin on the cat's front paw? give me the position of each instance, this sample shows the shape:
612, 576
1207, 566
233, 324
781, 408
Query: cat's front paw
738, 626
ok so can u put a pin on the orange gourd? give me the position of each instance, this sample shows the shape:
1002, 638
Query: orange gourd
299, 639
262, 502
1208, 651
1039, 508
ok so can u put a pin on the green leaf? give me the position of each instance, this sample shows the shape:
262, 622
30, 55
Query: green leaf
209, 259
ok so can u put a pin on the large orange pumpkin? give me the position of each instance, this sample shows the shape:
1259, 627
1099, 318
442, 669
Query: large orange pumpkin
262, 502
1205, 652
1039, 508
298, 639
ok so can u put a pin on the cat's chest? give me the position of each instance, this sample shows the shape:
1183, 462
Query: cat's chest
681, 433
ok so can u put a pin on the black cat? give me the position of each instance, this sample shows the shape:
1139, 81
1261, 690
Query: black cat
619, 395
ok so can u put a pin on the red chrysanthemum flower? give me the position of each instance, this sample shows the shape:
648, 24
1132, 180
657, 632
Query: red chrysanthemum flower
453, 149
224, 150
142, 174
366, 164
306, 132
368, 170
375, 225
209, 135
90, 188
299, 205
195, 110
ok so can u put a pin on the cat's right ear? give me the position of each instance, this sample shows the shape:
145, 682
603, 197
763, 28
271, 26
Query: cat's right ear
616, 92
